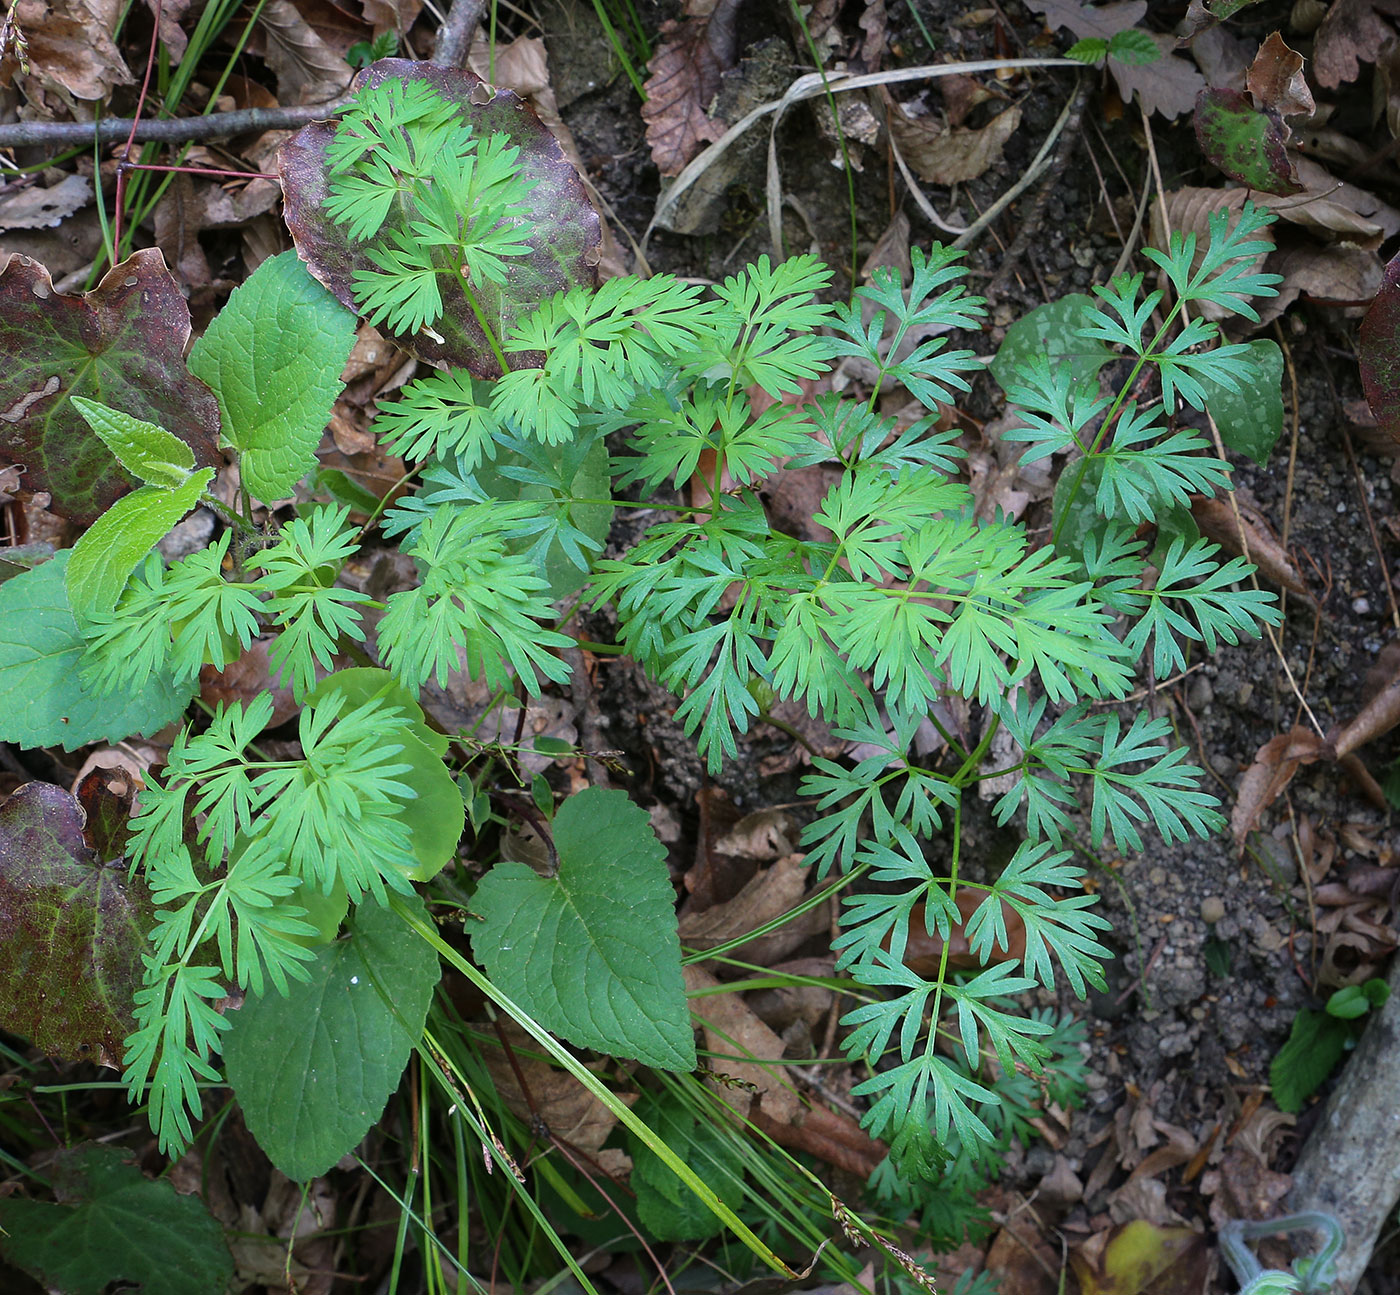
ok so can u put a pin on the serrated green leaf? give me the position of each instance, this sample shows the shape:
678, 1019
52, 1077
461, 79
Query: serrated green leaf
112, 1224
1052, 330
1089, 50
274, 356
1250, 417
109, 550
72, 931
1315, 1044
313, 1070
41, 649
142, 448
593, 953
1133, 47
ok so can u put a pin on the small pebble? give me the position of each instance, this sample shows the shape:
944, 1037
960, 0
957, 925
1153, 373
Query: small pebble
1361, 606
1212, 909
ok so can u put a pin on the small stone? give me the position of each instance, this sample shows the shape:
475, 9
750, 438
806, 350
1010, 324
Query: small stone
1212, 909
1361, 606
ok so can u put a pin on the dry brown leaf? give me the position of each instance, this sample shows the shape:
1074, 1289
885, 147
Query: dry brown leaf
569, 1110
1188, 211
769, 894
745, 1048
961, 94
923, 954
1022, 1261
945, 157
392, 15
1352, 33
829, 1135
692, 56
1378, 716
1317, 179
1243, 1188
1336, 275
874, 22
308, 70
34, 207
1276, 81
69, 46
1273, 768
1217, 521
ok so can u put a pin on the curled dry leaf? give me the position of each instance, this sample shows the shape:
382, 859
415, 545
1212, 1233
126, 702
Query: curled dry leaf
34, 207
123, 342
69, 46
1377, 717
692, 56
946, 157
1276, 82
1217, 521
768, 895
1273, 768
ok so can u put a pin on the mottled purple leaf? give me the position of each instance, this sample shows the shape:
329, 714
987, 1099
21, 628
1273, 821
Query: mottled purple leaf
106, 795
123, 345
566, 238
1245, 143
1378, 353
71, 931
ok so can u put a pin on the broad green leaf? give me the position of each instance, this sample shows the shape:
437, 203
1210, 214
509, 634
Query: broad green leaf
1053, 330
1314, 1045
564, 241
1248, 145
313, 1070
1250, 419
1141, 1258
41, 649
123, 344
142, 448
438, 816
274, 356
592, 953
668, 1209
108, 552
72, 931
1378, 353
113, 1225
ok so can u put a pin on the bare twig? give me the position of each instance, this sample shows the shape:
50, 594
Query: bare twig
172, 130
454, 38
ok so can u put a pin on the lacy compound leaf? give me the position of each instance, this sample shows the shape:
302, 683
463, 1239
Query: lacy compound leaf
72, 931
274, 356
564, 239
313, 1070
592, 953
112, 1224
41, 648
123, 345
108, 552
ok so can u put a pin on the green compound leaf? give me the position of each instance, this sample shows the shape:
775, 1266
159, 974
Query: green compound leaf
274, 356
1053, 330
114, 1225
592, 953
313, 1070
41, 649
105, 557
1378, 353
1315, 1044
142, 448
1245, 143
122, 344
667, 1208
564, 238
72, 931
1250, 418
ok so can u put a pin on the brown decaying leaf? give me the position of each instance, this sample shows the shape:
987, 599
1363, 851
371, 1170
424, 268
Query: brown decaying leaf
745, 1048
1376, 718
923, 955
392, 15
31, 206
947, 157
768, 895
1021, 1260
106, 789
691, 57
1272, 770
829, 1135
1217, 521
1352, 33
1276, 81
245, 678
69, 46
308, 70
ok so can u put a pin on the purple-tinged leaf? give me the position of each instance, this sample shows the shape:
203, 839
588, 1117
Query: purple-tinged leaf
566, 239
123, 345
1245, 143
71, 931
1378, 353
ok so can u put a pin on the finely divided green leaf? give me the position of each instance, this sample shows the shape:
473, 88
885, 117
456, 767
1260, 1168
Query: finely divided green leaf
105, 557
274, 356
122, 344
313, 1070
142, 448
41, 650
72, 931
592, 953
113, 1225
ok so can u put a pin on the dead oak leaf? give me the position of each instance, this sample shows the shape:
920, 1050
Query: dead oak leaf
1352, 33
70, 47
948, 157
